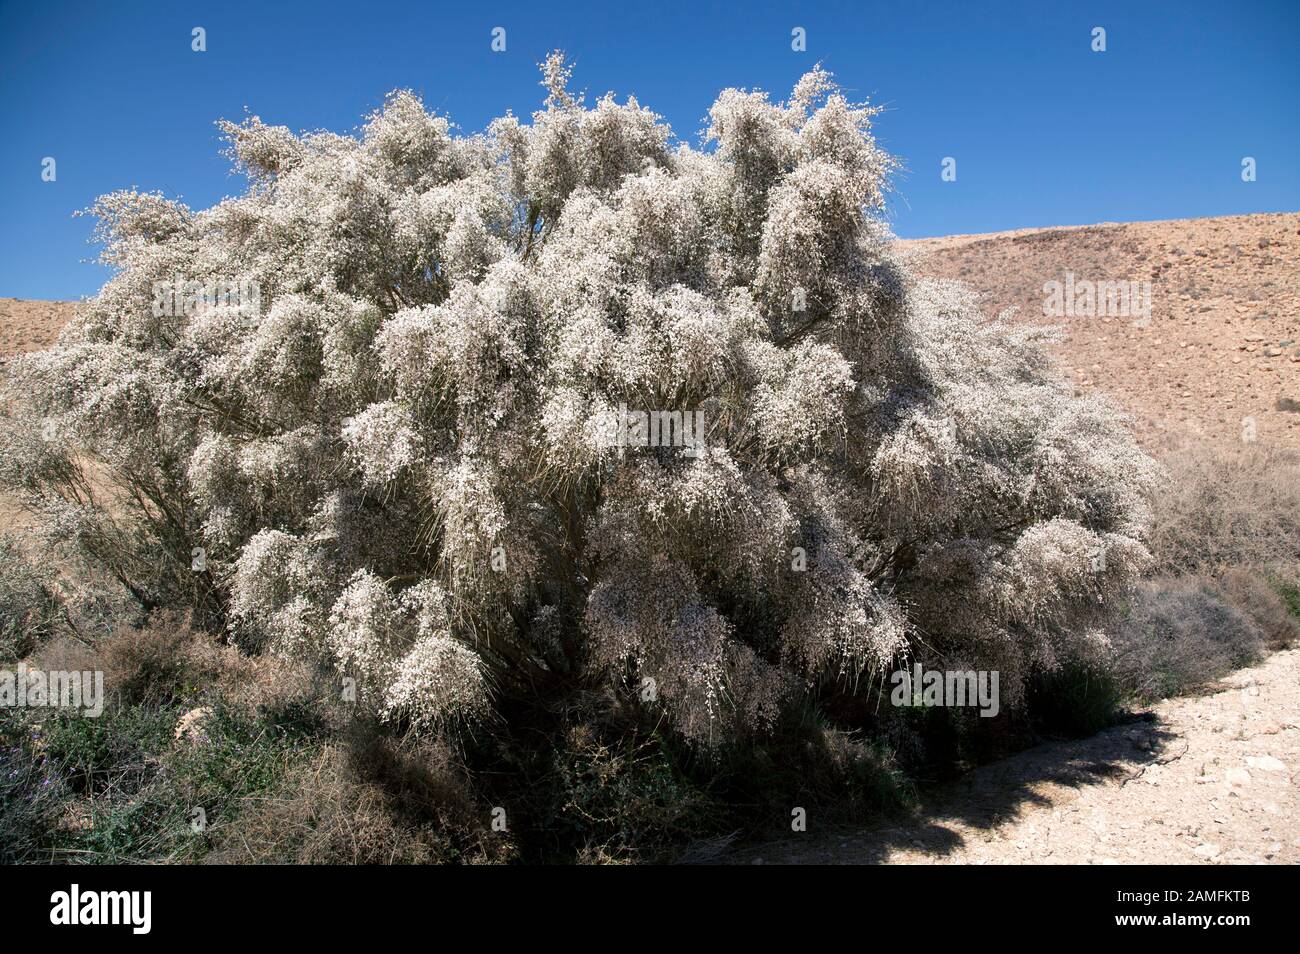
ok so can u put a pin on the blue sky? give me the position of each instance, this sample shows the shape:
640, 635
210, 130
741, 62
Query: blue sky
1044, 130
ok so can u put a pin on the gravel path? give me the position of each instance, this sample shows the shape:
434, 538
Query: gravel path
1210, 779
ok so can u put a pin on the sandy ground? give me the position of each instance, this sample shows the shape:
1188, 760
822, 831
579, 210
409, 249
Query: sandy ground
1200, 780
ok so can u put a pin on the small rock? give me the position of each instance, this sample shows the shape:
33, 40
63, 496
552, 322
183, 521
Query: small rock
1237, 776
189, 727
1207, 850
1265, 762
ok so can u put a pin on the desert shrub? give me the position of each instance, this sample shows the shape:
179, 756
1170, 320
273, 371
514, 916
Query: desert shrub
836, 776
188, 724
621, 799
1078, 699
117, 751
166, 661
1226, 509
598, 789
1226, 540
934, 744
1263, 601
1289, 592
368, 800
1181, 633
29, 608
33, 795
405, 456
151, 664
154, 664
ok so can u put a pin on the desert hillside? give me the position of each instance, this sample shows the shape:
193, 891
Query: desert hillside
31, 325
1222, 342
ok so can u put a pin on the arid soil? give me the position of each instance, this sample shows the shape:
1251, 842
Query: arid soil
31, 325
1204, 780
1221, 344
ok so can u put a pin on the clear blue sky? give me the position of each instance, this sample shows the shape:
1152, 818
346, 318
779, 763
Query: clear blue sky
1044, 130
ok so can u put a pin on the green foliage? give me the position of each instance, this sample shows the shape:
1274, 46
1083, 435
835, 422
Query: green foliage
1076, 700
31, 792
1290, 594
122, 788
625, 800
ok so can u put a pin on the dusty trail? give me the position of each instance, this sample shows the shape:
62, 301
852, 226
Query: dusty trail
1209, 779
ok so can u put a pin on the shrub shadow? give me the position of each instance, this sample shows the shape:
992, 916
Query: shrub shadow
980, 800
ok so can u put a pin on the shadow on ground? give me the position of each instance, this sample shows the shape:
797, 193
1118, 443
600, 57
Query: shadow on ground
981, 800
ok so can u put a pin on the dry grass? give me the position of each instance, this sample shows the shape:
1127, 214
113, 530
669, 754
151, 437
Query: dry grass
29, 610
369, 801
1226, 509
1254, 595
1180, 634
169, 662
1227, 544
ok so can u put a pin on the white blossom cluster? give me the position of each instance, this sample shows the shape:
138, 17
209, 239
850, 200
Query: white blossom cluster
391, 468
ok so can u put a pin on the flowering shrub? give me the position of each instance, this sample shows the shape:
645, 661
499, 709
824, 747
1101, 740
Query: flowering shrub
393, 466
